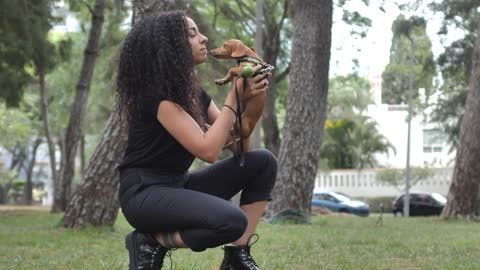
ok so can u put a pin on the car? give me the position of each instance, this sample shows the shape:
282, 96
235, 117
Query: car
341, 203
421, 204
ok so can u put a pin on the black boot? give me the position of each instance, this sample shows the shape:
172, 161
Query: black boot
144, 251
238, 258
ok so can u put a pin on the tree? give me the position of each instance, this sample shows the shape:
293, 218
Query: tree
395, 77
45, 56
94, 202
77, 113
15, 134
455, 65
396, 177
348, 96
306, 106
352, 143
273, 52
237, 20
15, 53
351, 138
463, 195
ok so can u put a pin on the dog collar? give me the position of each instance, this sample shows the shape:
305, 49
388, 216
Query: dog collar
251, 59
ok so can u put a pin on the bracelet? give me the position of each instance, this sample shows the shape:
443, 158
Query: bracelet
228, 106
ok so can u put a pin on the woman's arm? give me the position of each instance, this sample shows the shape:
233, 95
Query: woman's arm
204, 145
213, 113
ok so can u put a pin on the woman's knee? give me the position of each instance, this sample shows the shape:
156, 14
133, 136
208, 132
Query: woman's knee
268, 158
233, 225
270, 164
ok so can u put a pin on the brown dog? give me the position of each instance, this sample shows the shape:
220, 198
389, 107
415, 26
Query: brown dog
253, 107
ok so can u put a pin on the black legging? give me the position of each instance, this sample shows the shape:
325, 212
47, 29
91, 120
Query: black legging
196, 204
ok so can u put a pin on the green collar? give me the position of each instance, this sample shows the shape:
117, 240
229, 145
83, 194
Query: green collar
251, 59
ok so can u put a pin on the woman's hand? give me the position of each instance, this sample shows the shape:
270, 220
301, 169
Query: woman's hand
255, 86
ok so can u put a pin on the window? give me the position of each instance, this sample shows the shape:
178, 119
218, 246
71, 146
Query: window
433, 140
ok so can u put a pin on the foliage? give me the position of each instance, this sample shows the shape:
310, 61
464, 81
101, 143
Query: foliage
396, 177
236, 19
7, 176
15, 127
352, 143
395, 78
329, 242
348, 96
17, 46
455, 66
8, 180
350, 139
359, 23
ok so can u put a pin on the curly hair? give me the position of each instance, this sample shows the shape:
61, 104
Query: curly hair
156, 60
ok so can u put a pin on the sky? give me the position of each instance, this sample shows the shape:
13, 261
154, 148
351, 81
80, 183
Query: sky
375, 47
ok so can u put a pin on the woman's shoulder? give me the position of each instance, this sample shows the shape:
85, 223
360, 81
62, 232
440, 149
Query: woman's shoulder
148, 104
205, 97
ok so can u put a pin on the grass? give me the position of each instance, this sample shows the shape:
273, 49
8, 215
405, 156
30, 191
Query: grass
31, 240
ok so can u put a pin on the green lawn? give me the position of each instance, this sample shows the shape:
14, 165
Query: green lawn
31, 240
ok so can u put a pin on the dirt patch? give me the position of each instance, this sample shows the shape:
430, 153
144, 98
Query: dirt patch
320, 211
24, 207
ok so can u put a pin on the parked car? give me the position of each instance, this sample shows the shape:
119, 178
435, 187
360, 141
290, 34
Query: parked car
421, 204
341, 203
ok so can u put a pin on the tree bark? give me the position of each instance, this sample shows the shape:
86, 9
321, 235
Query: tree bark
77, 113
51, 146
82, 156
306, 106
27, 189
95, 202
464, 193
259, 22
272, 48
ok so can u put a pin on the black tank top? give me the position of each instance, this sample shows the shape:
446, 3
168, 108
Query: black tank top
151, 146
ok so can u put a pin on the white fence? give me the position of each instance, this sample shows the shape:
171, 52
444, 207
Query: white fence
363, 183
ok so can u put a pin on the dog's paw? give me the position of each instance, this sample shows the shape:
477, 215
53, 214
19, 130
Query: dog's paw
221, 81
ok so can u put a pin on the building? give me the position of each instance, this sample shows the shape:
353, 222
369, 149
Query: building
428, 147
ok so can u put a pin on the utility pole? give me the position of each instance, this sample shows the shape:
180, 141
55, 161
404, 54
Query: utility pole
406, 202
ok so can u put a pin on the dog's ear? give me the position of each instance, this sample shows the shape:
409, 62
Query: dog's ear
239, 51
253, 49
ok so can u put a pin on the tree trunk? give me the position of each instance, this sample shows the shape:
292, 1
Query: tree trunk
259, 21
27, 189
51, 146
272, 48
82, 156
306, 106
95, 201
77, 113
464, 194
271, 133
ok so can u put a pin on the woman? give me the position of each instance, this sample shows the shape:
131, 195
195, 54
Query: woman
168, 113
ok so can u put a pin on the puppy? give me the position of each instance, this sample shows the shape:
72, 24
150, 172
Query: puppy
253, 107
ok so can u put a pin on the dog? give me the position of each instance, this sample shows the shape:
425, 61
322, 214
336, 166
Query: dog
253, 106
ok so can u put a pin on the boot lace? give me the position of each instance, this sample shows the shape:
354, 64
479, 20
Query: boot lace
158, 255
246, 256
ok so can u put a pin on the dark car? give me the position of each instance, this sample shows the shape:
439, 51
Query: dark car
341, 203
421, 204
